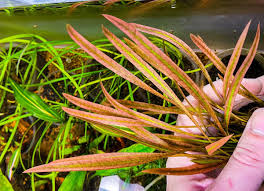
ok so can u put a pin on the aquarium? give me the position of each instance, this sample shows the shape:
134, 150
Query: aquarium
121, 94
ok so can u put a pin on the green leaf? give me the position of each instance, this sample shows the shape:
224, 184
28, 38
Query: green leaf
4, 183
73, 182
13, 163
34, 104
72, 149
138, 148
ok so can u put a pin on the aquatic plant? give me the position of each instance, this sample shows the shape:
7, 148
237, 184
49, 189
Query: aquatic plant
131, 119
29, 101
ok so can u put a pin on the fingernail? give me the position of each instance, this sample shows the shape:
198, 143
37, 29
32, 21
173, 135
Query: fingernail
258, 122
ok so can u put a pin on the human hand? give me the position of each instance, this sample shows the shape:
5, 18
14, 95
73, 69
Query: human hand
245, 168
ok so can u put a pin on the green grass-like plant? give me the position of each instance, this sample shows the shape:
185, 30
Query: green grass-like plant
136, 116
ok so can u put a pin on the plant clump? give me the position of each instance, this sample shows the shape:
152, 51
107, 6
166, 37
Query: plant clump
133, 119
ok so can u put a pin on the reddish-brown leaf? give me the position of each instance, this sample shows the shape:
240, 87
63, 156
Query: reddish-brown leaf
141, 65
217, 145
145, 118
234, 60
98, 162
104, 119
182, 46
189, 170
109, 62
236, 83
209, 53
94, 107
168, 67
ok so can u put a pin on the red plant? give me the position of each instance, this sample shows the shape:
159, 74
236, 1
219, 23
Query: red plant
148, 58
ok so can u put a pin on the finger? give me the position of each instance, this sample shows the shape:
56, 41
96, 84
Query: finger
196, 182
245, 169
255, 86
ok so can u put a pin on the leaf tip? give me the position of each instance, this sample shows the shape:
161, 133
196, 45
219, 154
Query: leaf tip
217, 145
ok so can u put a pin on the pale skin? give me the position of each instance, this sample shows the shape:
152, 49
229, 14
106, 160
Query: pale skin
245, 168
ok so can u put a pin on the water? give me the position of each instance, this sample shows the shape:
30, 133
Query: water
219, 23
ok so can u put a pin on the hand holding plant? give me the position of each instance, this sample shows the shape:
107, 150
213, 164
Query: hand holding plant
213, 106
244, 170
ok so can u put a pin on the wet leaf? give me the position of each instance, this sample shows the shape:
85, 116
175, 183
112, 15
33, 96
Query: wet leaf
34, 104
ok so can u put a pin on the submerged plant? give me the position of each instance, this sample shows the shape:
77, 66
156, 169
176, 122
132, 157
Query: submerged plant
131, 119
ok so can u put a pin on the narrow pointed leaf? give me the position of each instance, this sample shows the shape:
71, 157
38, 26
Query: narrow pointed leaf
189, 170
140, 64
104, 119
131, 137
168, 67
134, 125
151, 107
94, 107
34, 104
234, 60
98, 162
206, 161
181, 45
236, 83
209, 53
217, 145
145, 118
108, 62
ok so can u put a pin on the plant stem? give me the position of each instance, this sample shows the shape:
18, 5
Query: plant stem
153, 182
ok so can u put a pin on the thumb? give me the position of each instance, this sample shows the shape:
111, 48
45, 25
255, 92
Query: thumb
245, 169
